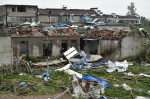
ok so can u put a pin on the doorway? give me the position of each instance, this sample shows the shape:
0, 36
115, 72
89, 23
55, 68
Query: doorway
47, 48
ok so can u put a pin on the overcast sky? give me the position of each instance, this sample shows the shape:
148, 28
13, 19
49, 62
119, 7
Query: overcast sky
106, 6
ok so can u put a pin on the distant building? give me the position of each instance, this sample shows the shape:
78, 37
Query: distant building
114, 26
114, 18
18, 14
129, 19
51, 16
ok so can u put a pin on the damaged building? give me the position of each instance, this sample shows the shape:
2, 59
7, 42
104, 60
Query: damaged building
12, 15
50, 16
6, 52
43, 42
114, 18
116, 44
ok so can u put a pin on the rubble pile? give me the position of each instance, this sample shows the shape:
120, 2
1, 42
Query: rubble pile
45, 32
107, 34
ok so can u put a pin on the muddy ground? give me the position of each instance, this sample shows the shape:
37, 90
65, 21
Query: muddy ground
43, 96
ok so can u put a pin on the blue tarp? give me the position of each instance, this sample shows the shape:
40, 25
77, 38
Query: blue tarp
91, 39
83, 17
87, 77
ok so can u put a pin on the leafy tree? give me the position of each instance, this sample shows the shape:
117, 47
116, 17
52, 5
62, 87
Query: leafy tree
131, 9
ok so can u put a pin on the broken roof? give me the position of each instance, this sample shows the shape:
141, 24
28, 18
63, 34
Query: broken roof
107, 34
67, 11
27, 32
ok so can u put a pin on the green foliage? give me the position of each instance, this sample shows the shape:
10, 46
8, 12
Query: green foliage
31, 58
11, 82
145, 23
131, 9
121, 21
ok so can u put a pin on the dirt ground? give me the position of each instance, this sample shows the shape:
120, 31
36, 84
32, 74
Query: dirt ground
43, 96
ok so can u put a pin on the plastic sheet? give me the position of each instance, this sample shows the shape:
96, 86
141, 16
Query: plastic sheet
92, 78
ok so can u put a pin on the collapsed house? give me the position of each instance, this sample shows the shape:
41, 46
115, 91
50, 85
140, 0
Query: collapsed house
116, 44
43, 42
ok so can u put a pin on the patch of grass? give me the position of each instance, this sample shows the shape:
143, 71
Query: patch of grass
140, 85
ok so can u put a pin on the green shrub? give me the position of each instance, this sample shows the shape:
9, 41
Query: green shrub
31, 58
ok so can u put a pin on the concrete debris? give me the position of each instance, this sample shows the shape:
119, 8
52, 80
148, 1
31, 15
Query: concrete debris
42, 32
107, 34
119, 66
141, 97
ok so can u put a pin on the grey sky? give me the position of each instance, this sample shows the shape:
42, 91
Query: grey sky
106, 6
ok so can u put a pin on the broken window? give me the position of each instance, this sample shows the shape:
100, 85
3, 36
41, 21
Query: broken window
1, 18
1, 10
24, 47
115, 28
47, 48
64, 45
104, 28
74, 43
13, 9
20, 8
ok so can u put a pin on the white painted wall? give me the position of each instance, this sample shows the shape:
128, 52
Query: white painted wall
6, 56
131, 45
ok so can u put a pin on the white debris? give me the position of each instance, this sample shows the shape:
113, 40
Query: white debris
135, 75
69, 71
141, 97
130, 74
126, 87
120, 66
77, 89
79, 86
64, 68
116, 85
148, 92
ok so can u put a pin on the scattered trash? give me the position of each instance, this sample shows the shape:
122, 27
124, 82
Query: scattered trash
116, 85
148, 92
92, 78
137, 75
69, 71
22, 73
46, 78
82, 62
64, 68
141, 97
145, 64
126, 87
83, 87
24, 84
120, 66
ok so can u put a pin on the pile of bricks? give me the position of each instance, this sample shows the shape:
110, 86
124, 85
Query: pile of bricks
30, 31
107, 34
